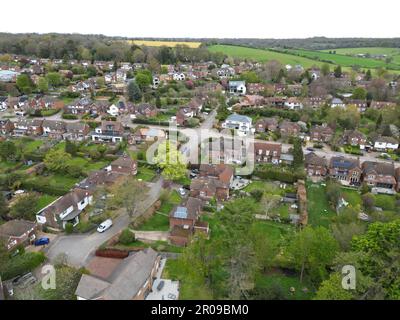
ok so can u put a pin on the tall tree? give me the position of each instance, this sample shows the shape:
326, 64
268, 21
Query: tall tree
171, 161
312, 250
338, 72
298, 157
134, 92
8, 150
325, 69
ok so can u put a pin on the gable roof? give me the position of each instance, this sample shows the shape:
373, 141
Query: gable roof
15, 228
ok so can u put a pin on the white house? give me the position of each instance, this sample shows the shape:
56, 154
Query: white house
113, 110
337, 103
179, 76
293, 104
242, 124
237, 87
386, 143
65, 209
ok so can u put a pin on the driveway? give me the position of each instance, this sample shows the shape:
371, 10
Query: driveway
80, 248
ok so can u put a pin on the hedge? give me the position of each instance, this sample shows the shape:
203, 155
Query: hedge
271, 112
112, 253
22, 264
154, 122
69, 116
278, 173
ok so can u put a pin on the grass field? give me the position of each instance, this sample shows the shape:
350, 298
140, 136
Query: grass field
372, 51
153, 43
319, 211
263, 55
44, 200
343, 60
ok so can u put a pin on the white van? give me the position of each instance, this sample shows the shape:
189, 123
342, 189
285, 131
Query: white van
105, 225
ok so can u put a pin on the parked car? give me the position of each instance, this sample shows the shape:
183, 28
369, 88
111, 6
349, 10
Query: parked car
182, 191
41, 242
310, 149
105, 225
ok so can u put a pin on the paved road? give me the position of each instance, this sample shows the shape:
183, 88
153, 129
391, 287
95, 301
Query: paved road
80, 248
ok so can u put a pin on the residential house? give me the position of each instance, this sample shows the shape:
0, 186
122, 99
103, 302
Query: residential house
17, 232
147, 135
314, 102
355, 138
338, 103
287, 128
242, 124
293, 103
379, 175
213, 181
129, 279
145, 110
322, 133
252, 101
79, 106
237, 87
256, 88
381, 104
65, 209
108, 131
76, 131
6, 126
276, 102
345, 170
361, 105
383, 143
267, 152
295, 89
124, 165
315, 165
266, 124
28, 127
184, 222
227, 151
54, 129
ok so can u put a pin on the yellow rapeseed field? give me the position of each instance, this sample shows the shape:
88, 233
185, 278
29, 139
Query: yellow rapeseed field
151, 43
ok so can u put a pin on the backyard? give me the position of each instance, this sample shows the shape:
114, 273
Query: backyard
319, 210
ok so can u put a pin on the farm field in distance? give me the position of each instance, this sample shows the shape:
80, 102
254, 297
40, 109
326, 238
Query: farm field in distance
344, 60
154, 43
262, 55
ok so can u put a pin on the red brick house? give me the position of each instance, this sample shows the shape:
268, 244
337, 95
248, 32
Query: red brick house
6, 126
379, 175
355, 138
345, 170
315, 166
322, 133
123, 165
17, 232
287, 128
266, 124
269, 152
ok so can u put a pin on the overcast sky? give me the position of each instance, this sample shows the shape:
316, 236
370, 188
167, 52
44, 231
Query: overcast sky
205, 18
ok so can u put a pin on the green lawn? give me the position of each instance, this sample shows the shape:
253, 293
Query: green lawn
28, 145
158, 222
285, 282
352, 196
87, 165
319, 211
188, 290
265, 186
44, 200
145, 174
66, 181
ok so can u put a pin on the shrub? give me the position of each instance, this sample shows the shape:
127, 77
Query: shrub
112, 253
126, 237
69, 228
257, 194
22, 264
69, 116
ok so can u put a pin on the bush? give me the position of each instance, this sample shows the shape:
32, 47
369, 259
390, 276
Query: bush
112, 253
69, 228
257, 194
126, 237
69, 116
22, 264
